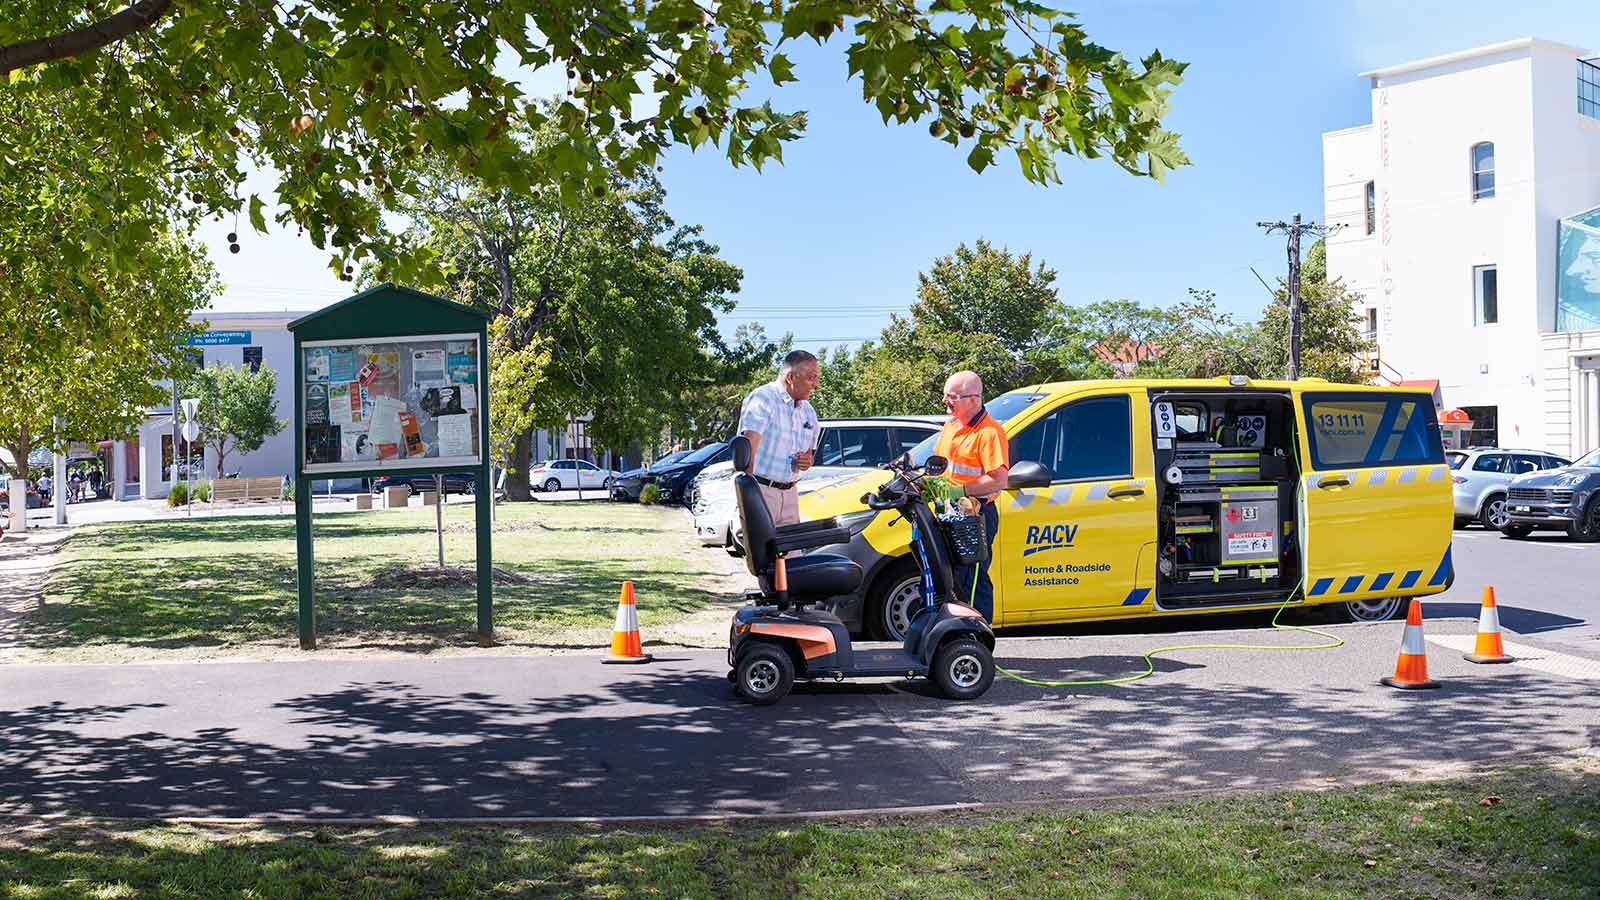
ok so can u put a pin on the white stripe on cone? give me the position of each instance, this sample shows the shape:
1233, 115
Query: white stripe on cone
627, 618
1411, 644
1489, 618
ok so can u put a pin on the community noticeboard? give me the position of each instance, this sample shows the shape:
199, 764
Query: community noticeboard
391, 403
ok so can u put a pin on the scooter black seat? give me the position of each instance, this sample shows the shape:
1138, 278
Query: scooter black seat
822, 575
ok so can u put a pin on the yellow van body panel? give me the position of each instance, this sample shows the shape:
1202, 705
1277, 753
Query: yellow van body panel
1385, 531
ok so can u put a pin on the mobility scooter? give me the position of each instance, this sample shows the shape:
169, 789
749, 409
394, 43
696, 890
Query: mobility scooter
777, 638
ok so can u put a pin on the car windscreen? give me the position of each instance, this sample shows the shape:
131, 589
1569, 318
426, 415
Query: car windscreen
669, 459
1589, 460
1003, 408
704, 453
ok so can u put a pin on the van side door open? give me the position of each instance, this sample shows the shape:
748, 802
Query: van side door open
1376, 496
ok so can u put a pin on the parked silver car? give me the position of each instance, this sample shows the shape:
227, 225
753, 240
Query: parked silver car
1482, 476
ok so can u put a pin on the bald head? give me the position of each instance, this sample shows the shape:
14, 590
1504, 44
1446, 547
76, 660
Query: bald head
963, 394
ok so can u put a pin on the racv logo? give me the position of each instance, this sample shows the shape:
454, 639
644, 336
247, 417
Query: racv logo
1049, 537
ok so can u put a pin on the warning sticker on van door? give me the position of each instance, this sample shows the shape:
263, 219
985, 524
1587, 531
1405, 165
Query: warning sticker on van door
1263, 543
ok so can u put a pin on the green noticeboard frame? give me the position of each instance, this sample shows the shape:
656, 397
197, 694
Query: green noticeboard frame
387, 314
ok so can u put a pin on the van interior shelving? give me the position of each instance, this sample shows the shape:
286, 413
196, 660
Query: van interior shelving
1226, 474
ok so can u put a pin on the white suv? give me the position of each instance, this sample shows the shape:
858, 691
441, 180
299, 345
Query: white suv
1481, 476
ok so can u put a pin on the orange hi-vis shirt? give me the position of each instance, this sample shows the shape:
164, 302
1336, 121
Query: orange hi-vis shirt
974, 450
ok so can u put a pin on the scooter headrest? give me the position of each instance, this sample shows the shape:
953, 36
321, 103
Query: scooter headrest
741, 454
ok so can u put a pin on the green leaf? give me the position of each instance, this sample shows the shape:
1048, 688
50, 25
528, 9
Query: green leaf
781, 69
980, 158
257, 220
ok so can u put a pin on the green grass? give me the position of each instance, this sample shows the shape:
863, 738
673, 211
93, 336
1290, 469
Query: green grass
1424, 840
225, 581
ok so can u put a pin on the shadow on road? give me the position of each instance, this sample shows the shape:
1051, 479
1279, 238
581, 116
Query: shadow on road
672, 741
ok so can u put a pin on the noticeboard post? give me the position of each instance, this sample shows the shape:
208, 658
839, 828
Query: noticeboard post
391, 381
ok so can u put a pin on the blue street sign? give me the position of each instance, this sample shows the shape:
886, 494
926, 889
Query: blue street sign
219, 338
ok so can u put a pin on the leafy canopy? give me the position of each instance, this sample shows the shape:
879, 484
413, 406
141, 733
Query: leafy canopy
339, 97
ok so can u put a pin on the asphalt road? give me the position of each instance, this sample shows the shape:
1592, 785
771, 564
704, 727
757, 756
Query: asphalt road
1547, 585
567, 736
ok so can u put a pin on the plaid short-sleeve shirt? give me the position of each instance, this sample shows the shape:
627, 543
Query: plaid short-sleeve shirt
787, 426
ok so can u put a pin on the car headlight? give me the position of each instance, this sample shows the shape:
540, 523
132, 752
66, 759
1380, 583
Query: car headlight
1571, 480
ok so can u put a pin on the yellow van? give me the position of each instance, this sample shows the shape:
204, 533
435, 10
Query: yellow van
1143, 497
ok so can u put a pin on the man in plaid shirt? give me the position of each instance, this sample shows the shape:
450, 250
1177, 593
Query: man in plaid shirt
782, 429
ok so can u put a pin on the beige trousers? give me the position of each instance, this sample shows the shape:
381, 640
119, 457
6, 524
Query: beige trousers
784, 506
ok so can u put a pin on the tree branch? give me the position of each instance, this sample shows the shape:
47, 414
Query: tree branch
134, 19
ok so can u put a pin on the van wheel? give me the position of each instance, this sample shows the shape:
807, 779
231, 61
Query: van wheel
963, 669
1378, 609
898, 594
1493, 515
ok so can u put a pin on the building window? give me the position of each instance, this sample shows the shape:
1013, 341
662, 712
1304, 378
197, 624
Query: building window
1482, 171
252, 359
1485, 430
1589, 87
1485, 295
1372, 207
1372, 323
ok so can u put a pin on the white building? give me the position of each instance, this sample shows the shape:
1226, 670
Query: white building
1453, 203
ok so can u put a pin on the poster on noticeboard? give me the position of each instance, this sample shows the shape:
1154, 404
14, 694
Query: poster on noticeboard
391, 403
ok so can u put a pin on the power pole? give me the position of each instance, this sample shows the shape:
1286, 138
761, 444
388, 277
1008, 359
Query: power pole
1294, 228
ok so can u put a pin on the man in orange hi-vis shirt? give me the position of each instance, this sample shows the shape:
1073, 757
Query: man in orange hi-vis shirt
979, 456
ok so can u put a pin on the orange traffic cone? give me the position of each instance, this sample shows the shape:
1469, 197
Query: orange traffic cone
1489, 649
1411, 672
625, 634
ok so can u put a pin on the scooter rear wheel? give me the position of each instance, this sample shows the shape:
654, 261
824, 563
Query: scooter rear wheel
763, 675
963, 669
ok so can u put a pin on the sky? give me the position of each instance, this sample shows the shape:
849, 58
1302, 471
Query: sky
831, 241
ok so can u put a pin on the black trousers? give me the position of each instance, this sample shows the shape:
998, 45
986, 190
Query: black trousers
972, 582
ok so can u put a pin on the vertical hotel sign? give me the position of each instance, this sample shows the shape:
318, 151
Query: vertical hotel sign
1385, 226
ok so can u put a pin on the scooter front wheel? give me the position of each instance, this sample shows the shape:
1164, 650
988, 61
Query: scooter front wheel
963, 669
763, 675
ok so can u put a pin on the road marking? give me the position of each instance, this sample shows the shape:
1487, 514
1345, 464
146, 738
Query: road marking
1529, 657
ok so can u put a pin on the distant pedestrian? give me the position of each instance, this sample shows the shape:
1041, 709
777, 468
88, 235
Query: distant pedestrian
44, 489
94, 481
782, 428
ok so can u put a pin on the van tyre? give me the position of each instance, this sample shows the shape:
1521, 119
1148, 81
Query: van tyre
963, 669
763, 675
1493, 515
1377, 609
896, 596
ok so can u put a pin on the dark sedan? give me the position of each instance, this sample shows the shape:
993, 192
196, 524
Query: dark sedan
673, 479
1565, 499
630, 483
454, 483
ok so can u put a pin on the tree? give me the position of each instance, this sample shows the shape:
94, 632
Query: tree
1332, 345
238, 408
94, 372
339, 97
605, 308
88, 327
984, 309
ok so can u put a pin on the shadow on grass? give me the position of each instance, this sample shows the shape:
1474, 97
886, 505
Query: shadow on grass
173, 602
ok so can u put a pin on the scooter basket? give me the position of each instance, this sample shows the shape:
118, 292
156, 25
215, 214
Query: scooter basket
969, 546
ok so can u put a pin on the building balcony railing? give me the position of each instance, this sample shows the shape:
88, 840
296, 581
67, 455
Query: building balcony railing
1589, 87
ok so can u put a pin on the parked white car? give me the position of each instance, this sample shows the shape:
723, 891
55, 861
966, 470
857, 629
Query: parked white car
844, 448
570, 475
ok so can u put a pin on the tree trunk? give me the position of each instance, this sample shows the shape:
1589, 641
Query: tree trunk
517, 468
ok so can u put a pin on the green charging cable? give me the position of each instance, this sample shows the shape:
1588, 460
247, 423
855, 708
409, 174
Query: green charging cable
1149, 662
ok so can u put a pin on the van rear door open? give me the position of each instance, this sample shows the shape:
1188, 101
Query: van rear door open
1375, 496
